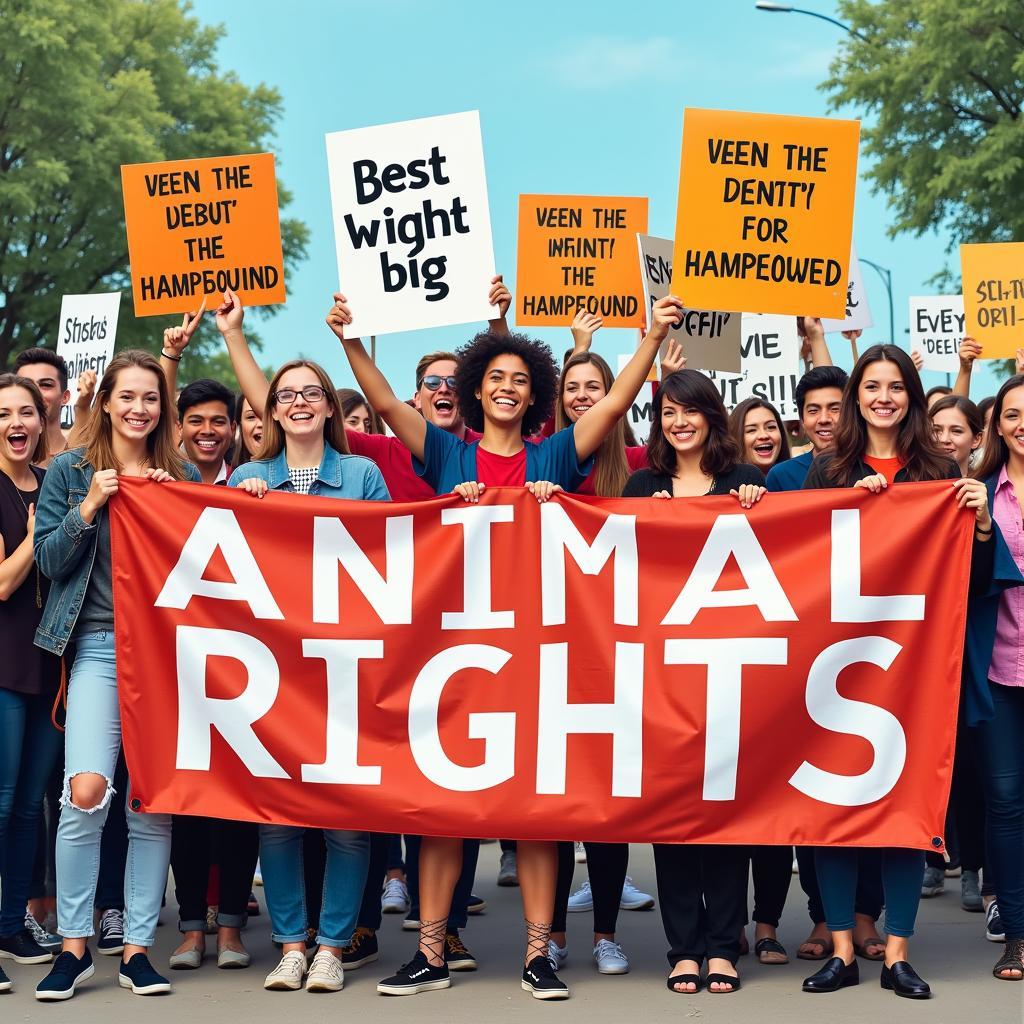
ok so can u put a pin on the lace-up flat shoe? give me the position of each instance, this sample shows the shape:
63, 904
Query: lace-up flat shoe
539, 978
418, 975
633, 899
581, 900
558, 955
288, 974
45, 939
476, 904
395, 897
994, 930
138, 975
362, 949
457, 956
66, 974
111, 940
833, 976
609, 958
325, 973
902, 979
23, 949
508, 869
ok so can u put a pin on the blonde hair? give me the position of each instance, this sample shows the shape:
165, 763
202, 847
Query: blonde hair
273, 432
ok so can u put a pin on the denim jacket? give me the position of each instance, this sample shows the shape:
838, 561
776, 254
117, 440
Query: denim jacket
339, 476
65, 544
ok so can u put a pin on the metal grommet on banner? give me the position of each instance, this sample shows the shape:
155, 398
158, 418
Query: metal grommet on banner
937, 842
136, 803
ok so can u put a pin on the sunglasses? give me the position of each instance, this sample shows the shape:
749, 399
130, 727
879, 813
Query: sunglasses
433, 382
311, 393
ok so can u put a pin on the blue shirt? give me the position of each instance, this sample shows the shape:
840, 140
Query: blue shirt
449, 461
791, 474
339, 476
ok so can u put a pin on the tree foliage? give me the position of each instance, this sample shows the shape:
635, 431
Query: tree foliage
84, 88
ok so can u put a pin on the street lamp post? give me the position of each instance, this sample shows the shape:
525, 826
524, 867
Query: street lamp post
773, 8
886, 276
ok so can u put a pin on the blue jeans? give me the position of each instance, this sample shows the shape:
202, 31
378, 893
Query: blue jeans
1001, 757
29, 748
91, 745
348, 858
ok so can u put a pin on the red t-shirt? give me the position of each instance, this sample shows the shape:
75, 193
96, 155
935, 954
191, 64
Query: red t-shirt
887, 467
635, 457
501, 470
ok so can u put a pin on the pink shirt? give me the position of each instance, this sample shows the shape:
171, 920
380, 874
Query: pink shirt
1007, 667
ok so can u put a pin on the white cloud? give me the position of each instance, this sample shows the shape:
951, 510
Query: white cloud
600, 62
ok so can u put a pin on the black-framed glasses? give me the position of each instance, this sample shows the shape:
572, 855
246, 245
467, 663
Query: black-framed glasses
433, 382
311, 393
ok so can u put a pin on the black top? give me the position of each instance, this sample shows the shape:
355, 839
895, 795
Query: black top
645, 483
817, 475
26, 668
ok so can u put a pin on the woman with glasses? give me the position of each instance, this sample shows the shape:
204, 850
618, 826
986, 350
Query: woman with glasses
304, 452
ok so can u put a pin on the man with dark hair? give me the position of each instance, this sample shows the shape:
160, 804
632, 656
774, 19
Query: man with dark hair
207, 428
50, 374
819, 396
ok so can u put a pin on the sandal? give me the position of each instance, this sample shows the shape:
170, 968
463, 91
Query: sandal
861, 948
1011, 960
768, 947
825, 947
684, 979
723, 979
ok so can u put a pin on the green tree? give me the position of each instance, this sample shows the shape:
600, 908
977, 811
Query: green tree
84, 88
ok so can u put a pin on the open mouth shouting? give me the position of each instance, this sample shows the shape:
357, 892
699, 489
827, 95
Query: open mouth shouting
764, 451
17, 441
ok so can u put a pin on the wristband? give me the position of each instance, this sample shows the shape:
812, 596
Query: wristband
174, 359
984, 533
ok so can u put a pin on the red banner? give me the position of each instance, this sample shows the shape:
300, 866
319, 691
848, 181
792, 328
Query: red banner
598, 669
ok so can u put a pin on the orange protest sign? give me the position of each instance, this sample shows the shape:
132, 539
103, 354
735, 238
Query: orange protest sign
765, 214
579, 252
993, 281
198, 227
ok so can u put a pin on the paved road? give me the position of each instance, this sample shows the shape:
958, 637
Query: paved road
950, 952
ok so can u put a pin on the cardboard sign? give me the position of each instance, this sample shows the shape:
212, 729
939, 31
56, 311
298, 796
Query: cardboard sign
858, 309
198, 227
993, 283
412, 227
771, 365
575, 253
765, 214
710, 340
641, 412
85, 338
936, 330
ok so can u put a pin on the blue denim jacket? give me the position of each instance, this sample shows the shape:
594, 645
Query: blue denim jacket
339, 476
65, 545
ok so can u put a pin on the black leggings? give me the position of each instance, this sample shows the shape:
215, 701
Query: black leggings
772, 868
606, 863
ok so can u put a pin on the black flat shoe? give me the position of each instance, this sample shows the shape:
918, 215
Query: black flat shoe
684, 979
833, 976
902, 979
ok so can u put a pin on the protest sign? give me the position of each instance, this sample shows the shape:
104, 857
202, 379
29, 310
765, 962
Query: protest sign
858, 309
993, 289
412, 228
936, 330
710, 340
765, 214
199, 227
502, 663
85, 338
576, 253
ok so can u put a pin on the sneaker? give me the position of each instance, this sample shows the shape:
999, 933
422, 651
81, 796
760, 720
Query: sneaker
111, 942
970, 892
539, 978
579, 852
325, 973
411, 922
581, 900
395, 898
5, 983
288, 974
934, 883
994, 930
252, 907
416, 976
633, 898
508, 869
23, 949
362, 949
558, 955
609, 958
45, 939
66, 974
476, 904
456, 956
138, 975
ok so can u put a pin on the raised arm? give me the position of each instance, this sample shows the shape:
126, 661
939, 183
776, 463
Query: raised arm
83, 408
176, 340
501, 297
969, 351
592, 428
813, 330
251, 380
408, 425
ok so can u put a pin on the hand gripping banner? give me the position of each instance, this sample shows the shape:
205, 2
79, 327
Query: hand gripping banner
600, 669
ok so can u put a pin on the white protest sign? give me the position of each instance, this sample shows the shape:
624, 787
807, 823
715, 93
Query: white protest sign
771, 364
641, 413
411, 223
85, 338
858, 309
936, 330
710, 340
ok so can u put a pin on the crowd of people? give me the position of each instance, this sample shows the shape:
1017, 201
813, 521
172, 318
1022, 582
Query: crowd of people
498, 412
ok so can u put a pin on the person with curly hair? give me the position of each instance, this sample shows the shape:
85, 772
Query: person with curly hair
506, 386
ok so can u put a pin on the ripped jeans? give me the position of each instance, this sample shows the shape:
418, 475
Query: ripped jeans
91, 744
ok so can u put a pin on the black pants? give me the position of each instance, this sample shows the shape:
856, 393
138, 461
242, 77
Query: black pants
458, 914
314, 867
196, 843
606, 863
772, 868
381, 860
703, 896
869, 899
114, 847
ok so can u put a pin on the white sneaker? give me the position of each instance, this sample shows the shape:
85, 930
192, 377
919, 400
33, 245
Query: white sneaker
325, 973
609, 958
288, 974
581, 900
580, 852
558, 955
633, 898
395, 898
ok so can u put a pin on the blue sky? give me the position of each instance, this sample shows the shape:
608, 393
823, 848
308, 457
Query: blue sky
574, 98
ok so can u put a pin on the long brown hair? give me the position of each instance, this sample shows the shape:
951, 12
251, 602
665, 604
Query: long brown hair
611, 470
692, 389
738, 425
273, 432
994, 447
161, 447
915, 446
13, 380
